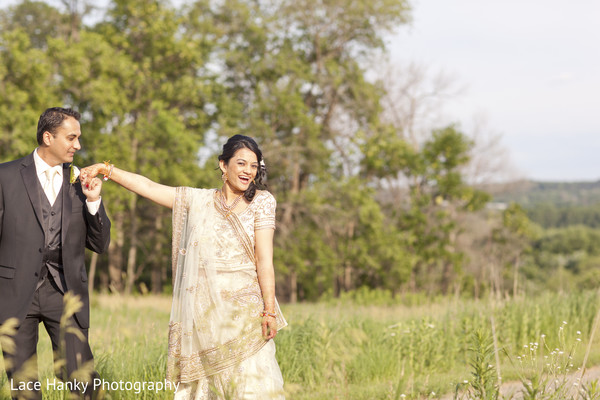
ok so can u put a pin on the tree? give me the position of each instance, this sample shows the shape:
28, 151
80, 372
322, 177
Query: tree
154, 124
435, 195
38, 20
26, 89
513, 239
296, 70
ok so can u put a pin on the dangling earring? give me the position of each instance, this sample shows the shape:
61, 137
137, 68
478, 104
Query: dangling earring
224, 177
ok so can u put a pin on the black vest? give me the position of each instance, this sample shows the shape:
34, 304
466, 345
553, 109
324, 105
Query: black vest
52, 252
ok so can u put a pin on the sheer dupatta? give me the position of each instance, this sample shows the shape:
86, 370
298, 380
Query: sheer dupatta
215, 316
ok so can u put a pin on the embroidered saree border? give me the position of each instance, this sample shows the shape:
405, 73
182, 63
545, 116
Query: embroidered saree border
190, 368
187, 362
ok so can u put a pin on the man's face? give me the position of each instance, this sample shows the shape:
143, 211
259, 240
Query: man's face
64, 143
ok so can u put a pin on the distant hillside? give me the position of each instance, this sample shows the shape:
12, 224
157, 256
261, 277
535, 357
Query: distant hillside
554, 204
559, 194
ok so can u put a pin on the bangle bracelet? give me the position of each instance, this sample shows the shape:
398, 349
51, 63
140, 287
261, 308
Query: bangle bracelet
110, 170
268, 314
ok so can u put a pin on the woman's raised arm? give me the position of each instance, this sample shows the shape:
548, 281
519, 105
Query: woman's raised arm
139, 184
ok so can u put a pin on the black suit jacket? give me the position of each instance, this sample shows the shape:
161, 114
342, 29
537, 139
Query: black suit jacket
22, 238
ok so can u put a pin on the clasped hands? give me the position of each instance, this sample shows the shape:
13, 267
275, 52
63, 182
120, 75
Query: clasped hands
91, 185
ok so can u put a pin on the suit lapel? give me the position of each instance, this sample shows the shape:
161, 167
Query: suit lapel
32, 185
66, 202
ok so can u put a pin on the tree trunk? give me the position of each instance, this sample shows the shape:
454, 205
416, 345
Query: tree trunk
516, 275
158, 266
447, 276
293, 287
92, 272
115, 255
132, 253
286, 223
288, 210
347, 277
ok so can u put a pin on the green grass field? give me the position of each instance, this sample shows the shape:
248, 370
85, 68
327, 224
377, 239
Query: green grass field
342, 350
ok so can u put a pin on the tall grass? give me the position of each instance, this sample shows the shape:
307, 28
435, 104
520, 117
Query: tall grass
343, 350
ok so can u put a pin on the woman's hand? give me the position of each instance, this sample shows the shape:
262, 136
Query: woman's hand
269, 327
89, 173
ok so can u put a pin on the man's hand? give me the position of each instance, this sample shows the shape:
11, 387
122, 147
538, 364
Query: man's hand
92, 189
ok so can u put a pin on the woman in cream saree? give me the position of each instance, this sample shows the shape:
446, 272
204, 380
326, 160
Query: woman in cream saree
224, 311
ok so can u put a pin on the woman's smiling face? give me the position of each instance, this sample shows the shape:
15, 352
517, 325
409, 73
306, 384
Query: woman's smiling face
241, 169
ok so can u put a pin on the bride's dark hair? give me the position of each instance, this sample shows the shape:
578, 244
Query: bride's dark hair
237, 142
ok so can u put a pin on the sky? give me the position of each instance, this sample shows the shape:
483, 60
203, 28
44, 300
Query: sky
531, 68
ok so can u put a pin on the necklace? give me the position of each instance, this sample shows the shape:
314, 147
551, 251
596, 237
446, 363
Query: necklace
231, 207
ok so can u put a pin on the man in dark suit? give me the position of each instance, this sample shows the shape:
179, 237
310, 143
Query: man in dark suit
46, 222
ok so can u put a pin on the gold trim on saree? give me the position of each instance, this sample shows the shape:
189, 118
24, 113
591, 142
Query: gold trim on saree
212, 328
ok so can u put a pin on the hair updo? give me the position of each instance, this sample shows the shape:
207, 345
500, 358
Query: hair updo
237, 142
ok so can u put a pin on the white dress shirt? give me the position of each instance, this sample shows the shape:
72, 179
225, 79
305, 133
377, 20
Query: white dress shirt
41, 166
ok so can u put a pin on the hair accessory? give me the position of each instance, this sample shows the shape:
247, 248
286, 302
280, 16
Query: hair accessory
262, 163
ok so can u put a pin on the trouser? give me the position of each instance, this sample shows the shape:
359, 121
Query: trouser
72, 355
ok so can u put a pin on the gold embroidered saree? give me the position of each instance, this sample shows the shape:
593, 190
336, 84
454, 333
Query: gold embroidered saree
215, 326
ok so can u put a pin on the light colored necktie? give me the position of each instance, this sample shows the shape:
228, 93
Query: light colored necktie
49, 186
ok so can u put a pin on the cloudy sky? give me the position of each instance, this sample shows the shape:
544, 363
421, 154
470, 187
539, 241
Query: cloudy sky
531, 68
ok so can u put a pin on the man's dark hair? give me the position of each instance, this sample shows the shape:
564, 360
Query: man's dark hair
51, 119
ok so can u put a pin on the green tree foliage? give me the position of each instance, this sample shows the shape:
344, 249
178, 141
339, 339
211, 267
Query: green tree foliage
530, 194
566, 258
512, 241
37, 19
437, 196
160, 88
292, 71
552, 216
26, 88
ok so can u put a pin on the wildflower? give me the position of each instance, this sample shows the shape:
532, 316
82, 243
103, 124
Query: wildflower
579, 332
564, 322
